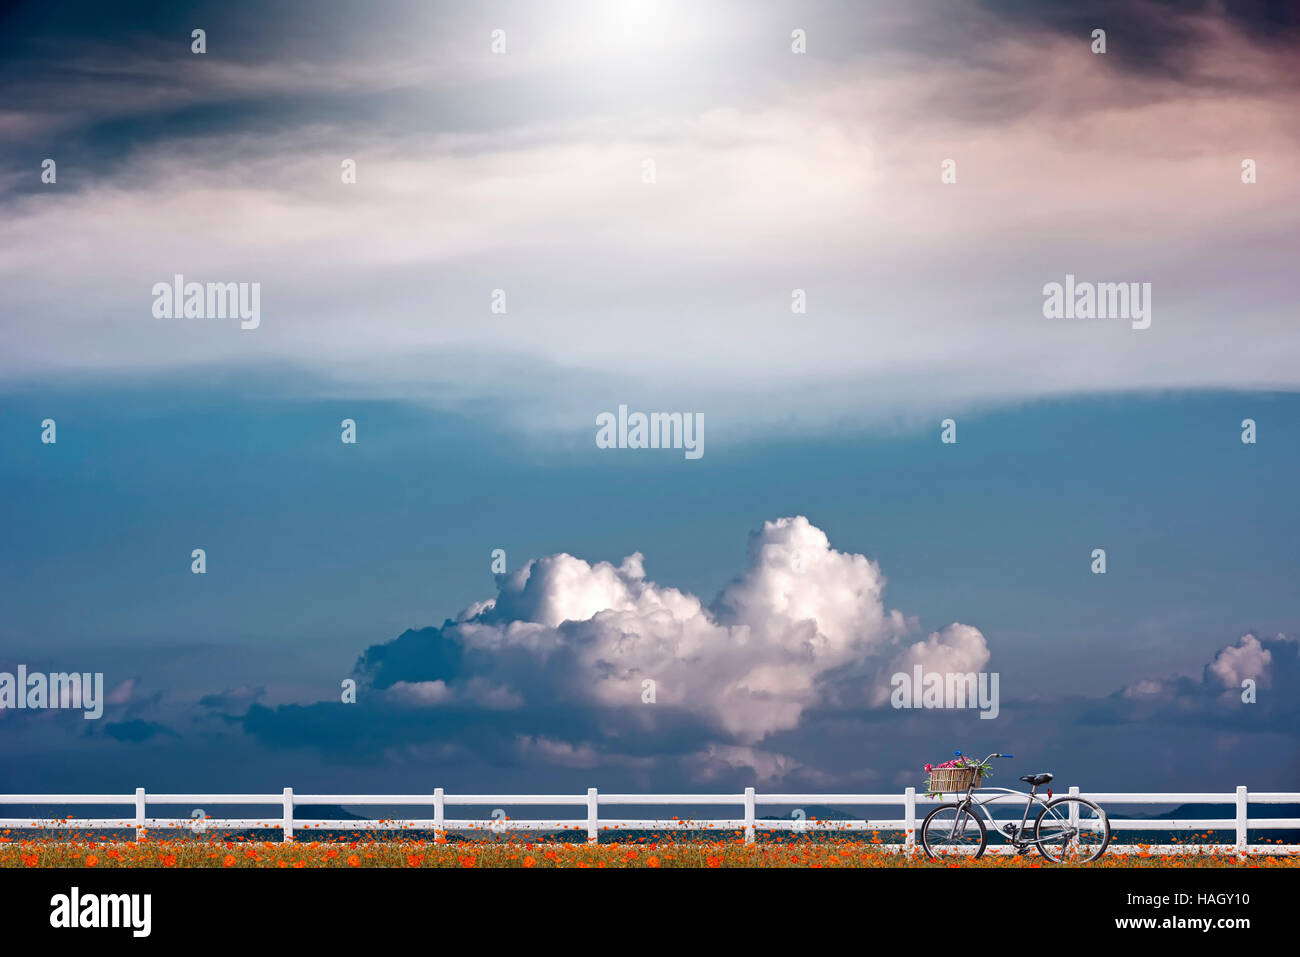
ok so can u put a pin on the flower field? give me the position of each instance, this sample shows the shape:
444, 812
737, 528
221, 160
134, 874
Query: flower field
19, 853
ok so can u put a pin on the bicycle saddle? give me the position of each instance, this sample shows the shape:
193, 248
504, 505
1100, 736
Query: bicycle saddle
1037, 780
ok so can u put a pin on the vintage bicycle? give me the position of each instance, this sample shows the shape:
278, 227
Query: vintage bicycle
1068, 830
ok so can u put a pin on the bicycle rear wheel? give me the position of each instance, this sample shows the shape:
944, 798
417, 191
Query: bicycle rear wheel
1071, 830
950, 830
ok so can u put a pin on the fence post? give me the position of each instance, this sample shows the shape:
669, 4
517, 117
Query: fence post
749, 815
439, 817
140, 831
288, 814
1241, 822
592, 805
909, 814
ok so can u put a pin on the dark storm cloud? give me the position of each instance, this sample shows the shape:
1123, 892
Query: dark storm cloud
127, 69
93, 82
1155, 35
96, 85
245, 30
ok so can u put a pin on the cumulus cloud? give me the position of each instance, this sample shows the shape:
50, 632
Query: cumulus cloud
474, 691
796, 620
956, 649
782, 677
1216, 694
1246, 659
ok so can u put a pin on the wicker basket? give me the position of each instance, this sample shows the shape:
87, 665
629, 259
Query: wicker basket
952, 780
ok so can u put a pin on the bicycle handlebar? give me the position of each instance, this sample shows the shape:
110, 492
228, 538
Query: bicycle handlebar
990, 757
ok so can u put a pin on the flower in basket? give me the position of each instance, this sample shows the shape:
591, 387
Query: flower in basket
981, 769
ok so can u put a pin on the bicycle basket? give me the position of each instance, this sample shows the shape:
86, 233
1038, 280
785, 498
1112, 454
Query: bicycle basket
952, 780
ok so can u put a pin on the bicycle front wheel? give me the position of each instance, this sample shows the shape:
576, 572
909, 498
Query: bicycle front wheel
952, 829
1071, 830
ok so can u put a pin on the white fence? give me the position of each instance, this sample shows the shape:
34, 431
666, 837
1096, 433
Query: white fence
913, 806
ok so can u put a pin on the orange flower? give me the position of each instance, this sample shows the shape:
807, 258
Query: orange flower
530, 861
30, 860
169, 860
652, 862
467, 861
354, 861
92, 860
229, 861
714, 861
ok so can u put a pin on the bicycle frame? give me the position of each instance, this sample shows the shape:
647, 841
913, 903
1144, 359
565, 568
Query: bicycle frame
1017, 839
1016, 836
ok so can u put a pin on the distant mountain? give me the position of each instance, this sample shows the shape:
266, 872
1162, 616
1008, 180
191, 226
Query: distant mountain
816, 812
1226, 833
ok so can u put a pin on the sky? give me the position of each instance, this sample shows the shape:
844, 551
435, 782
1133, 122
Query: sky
661, 206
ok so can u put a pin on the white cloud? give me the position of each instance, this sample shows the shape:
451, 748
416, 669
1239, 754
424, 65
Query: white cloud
1246, 659
559, 753
421, 693
956, 649
714, 761
921, 297
473, 691
752, 663
1145, 688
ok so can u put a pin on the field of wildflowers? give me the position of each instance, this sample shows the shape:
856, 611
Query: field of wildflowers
45, 853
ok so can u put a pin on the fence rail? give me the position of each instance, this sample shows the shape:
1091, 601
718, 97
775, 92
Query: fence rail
913, 805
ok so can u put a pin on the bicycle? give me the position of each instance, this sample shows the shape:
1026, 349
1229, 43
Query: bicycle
1068, 829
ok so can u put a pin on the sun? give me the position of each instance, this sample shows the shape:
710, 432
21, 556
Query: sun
630, 24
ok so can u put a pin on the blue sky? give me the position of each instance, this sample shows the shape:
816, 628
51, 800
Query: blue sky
524, 172
318, 550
